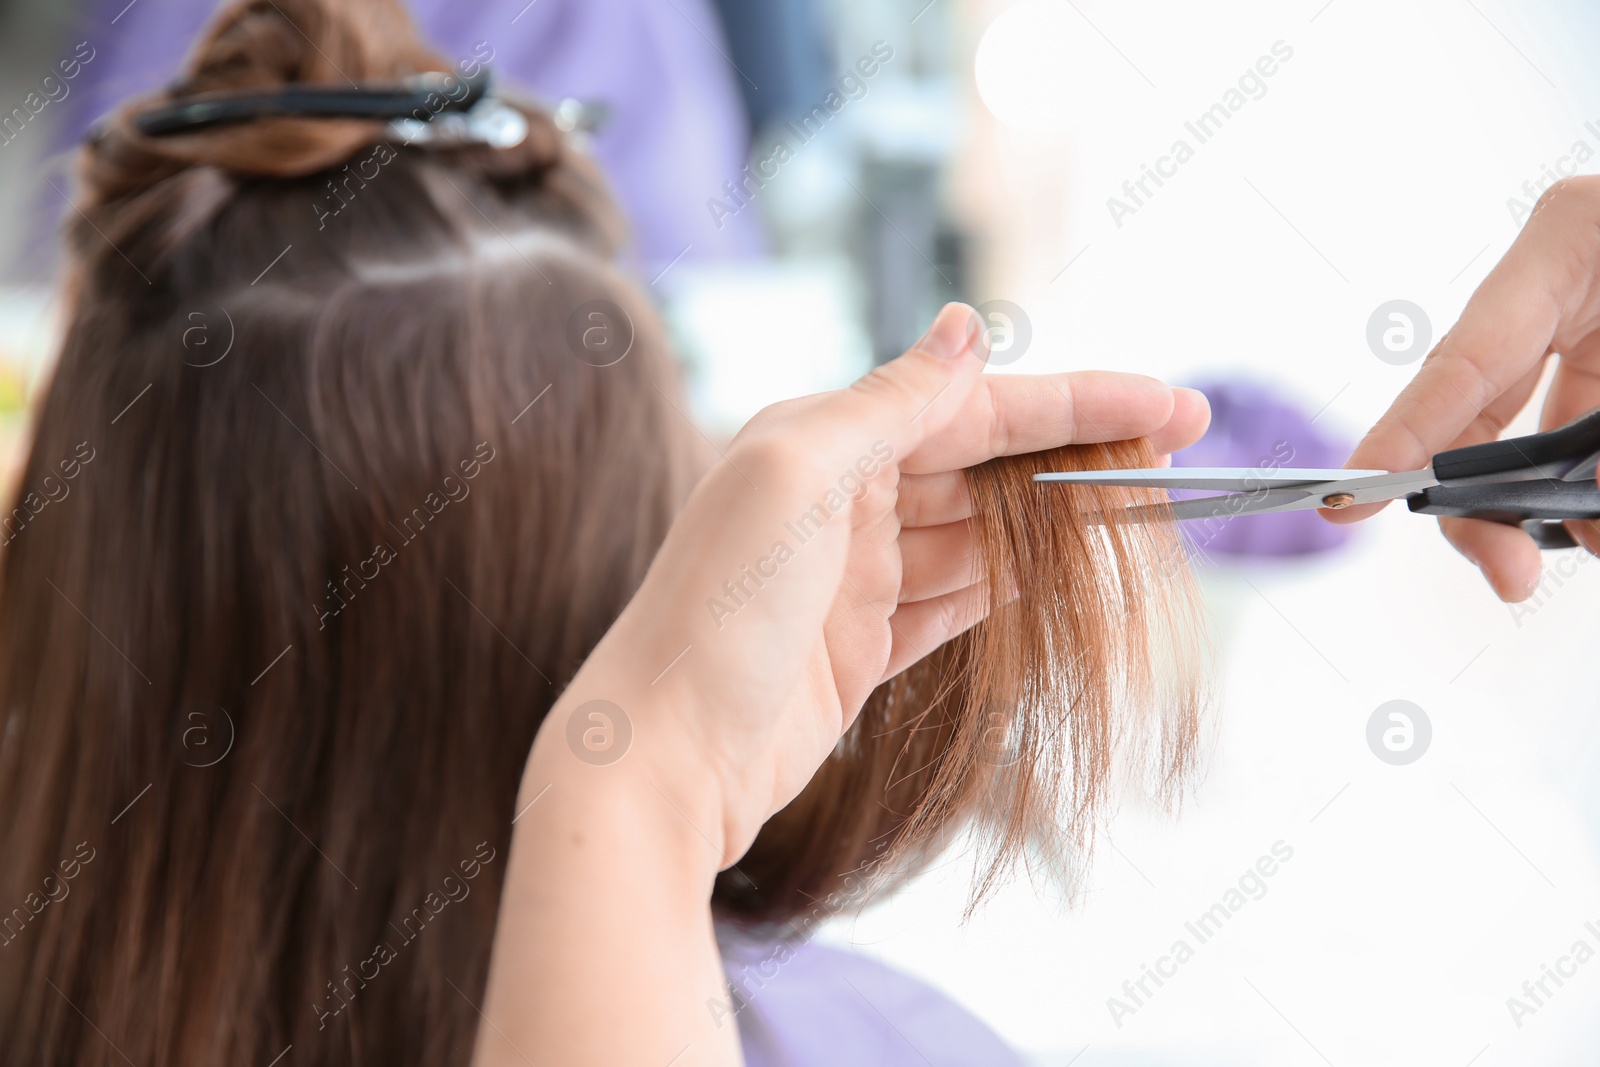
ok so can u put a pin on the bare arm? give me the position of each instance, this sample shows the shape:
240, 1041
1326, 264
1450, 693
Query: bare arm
604, 952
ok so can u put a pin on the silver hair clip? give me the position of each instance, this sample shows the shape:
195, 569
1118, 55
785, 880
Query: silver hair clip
581, 117
489, 122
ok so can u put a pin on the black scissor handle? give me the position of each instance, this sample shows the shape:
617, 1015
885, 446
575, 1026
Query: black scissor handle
1566, 453
1533, 481
1549, 535
1511, 502
1536, 506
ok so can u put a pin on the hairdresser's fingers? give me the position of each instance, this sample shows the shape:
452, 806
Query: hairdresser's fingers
936, 499
1575, 385
1486, 425
793, 475
1008, 414
933, 499
772, 538
935, 560
854, 433
923, 626
902, 404
1543, 286
1508, 558
1191, 415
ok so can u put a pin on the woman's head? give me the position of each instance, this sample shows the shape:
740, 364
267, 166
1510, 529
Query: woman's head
352, 496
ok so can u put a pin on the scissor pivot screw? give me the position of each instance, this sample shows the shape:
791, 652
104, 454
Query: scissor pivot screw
1338, 500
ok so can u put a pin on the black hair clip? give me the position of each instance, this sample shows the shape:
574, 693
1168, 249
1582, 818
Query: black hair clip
428, 108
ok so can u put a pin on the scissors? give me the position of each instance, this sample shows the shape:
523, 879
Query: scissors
1534, 482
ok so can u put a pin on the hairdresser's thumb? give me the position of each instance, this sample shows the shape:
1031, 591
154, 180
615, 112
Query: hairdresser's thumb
925, 387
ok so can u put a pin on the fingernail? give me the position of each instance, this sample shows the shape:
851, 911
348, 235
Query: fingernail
954, 330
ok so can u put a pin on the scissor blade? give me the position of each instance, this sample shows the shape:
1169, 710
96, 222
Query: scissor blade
1239, 478
1291, 498
1371, 489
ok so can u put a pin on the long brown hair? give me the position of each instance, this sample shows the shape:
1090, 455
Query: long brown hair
321, 514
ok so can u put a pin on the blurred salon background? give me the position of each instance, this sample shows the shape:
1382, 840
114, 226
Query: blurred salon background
1283, 203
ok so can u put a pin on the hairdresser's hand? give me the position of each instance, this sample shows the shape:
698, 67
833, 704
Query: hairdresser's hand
828, 553
1543, 297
